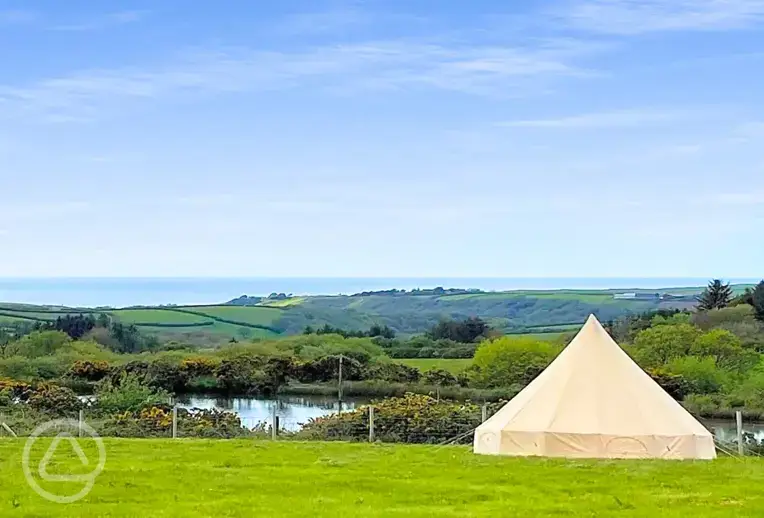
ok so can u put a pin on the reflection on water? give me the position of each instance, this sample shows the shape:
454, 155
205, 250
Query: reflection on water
292, 411
726, 430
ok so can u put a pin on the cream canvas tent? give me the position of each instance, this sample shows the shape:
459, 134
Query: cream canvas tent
593, 401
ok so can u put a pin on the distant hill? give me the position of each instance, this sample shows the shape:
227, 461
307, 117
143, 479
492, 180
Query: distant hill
411, 312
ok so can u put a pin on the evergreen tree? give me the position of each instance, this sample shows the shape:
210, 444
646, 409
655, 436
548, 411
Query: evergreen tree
716, 296
758, 301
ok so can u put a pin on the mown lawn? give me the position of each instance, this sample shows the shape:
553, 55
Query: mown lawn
193, 478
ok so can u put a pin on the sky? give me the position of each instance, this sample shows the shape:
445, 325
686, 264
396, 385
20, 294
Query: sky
556, 138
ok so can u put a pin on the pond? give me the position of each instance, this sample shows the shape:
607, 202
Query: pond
292, 411
726, 430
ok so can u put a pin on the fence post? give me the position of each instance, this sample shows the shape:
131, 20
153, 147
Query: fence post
484, 413
274, 422
175, 422
339, 387
81, 422
739, 423
371, 423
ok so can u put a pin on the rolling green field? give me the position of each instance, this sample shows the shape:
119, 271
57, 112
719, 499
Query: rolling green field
157, 316
454, 366
208, 478
246, 314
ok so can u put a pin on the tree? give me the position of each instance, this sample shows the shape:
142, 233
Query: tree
716, 296
758, 301
466, 331
724, 347
511, 360
744, 298
658, 345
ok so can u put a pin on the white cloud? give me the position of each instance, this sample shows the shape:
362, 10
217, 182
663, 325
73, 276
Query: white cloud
104, 21
643, 16
613, 119
480, 70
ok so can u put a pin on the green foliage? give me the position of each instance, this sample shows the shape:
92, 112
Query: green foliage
757, 300
716, 296
702, 375
724, 347
90, 370
509, 361
466, 331
54, 398
393, 372
156, 421
252, 375
130, 393
411, 419
440, 377
657, 346
42, 343
200, 366
720, 317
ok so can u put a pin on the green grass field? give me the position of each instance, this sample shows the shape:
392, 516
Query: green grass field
247, 314
208, 478
157, 316
453, 366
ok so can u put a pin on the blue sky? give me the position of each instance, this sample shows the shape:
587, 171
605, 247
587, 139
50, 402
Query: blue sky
382, 138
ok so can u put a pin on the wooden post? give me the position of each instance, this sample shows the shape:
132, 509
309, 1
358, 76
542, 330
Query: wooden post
371, 423
739, 422
274, 422
82, 421
484, 413
175, 422
339, 388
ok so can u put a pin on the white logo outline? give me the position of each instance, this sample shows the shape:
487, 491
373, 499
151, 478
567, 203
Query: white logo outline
42, 470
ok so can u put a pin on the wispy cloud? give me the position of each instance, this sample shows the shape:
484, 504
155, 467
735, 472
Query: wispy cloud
17, 16
628, 17
613, 119
105, 21
381, 65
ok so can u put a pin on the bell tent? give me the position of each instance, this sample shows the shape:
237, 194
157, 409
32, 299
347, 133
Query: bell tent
594, 401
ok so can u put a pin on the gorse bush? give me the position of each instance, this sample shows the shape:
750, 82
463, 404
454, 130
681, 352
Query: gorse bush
130, 394
411, 419
90, 370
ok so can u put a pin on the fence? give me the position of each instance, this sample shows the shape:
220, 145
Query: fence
369, 423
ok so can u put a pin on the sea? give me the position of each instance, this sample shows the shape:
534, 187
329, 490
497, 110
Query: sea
122, 292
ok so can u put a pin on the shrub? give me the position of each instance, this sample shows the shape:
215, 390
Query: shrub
702, 376
411, 419
717, 317
440, 377
130, 394
156, 421
195, 367
658, 345
90, 370
725, 348
161, 374
42, 343
394, 372
510, 361
327, 369
53, 398
251, 375
15, 389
